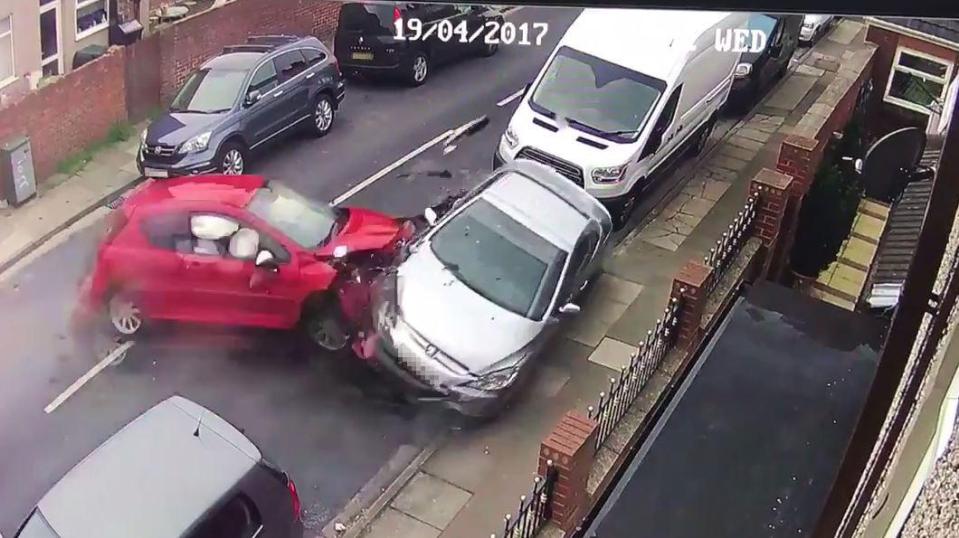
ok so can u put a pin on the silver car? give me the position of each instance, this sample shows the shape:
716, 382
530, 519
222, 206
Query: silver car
470, 307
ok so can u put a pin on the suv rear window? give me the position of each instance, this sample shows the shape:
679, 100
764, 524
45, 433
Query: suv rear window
366, 17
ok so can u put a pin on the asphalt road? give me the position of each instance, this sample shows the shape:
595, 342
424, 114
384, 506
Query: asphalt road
324, 419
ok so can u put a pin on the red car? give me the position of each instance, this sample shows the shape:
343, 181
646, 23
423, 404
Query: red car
233, 250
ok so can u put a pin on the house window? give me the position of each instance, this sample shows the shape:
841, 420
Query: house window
6, 50
918, 81
91, 17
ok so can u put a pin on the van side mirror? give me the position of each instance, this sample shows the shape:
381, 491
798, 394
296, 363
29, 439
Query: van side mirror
569, 309
252, 98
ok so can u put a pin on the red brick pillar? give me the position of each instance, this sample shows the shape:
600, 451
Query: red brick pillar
777, 204
799, 157
569, 448
691, 287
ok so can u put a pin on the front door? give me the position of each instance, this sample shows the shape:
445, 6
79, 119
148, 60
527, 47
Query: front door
264, 116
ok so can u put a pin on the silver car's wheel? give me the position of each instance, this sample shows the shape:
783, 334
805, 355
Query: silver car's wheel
323, 115
125, 315
233, 163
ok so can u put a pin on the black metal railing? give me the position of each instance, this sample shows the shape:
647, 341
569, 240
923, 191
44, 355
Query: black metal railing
534, 509
624, 390
727, 246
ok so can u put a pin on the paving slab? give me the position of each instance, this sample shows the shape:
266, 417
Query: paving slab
549, 381
616, 289
791, 92
845, 32
809, 70
754, 135
612, 354
395, 524
587, 331
431, 500
737, 152
745, 143
662, 238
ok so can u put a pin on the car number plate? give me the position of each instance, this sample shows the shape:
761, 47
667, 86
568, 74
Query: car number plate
155, 172
362, 56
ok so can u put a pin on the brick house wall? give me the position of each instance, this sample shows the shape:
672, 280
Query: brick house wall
70, 114
189, 43
887, 117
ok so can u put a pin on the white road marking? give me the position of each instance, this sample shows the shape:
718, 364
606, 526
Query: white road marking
510, 99
78, 384
398, 163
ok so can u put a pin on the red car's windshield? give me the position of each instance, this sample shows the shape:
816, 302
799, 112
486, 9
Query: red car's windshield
305, 221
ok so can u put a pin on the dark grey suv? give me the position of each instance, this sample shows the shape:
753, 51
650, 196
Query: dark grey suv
239, 100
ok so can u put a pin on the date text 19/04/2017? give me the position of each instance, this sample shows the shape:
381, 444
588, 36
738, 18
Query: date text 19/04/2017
492, 32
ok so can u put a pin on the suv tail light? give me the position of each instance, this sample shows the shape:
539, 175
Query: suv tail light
397, 14
294, 497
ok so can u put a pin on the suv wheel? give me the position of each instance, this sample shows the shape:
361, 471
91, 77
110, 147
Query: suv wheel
419, 69
231, 159
324, 327
323, 115
125, 316
489, 49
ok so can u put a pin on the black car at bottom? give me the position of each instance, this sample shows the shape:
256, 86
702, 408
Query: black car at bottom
396, 39
178, 470
758, 70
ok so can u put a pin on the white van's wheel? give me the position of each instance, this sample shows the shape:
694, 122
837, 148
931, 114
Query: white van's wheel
703, 137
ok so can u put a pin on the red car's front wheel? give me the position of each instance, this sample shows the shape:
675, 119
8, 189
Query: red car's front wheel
324, 326
125, 316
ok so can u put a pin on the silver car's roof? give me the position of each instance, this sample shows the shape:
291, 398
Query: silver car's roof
537, 208
153, 475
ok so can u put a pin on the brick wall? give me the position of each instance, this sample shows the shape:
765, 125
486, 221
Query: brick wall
888, 117
188, 43
70, 114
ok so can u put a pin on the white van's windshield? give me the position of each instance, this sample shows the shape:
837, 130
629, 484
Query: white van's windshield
596, 96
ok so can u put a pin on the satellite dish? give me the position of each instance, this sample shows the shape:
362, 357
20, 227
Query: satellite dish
891, 163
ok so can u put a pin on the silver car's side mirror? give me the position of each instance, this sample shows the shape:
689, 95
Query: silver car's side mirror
858, 166
569, 309
430, 215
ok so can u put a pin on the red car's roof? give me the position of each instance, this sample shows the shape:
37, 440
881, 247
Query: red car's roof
234, 191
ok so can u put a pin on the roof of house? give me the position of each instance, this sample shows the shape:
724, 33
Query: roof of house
753, 440
947, 29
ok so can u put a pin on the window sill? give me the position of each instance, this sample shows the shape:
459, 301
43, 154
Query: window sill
908, 105
7, 81
91, 31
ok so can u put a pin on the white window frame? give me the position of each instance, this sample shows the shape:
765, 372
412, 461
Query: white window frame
921, 74
80, 4
13, 57
54, 6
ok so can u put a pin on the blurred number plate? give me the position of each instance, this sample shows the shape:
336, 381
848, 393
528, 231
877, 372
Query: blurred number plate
362, 55
154, 172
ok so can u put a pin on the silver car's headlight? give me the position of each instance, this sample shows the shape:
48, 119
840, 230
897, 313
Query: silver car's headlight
497, 380
197, 144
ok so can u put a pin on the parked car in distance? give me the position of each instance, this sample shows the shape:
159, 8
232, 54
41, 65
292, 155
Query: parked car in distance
395, 39
177, 470
756, 71
239, 100
467, 312
229, 250
814, 27
621, 97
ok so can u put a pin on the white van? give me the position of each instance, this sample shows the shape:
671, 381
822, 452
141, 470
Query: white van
622, 93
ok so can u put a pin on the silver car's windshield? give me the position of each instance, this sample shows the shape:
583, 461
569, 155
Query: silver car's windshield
305, 221
500, 259
609, 100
